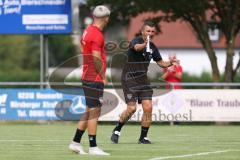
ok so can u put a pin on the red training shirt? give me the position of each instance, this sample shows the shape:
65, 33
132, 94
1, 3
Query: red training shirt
171, 75
92, 40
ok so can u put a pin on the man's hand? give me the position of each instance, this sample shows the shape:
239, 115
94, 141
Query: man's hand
174, 61
140, 47
105, 81
171, 69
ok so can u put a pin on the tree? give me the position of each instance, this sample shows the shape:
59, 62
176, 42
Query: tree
20, 55
61, 48
19, 58
225, 14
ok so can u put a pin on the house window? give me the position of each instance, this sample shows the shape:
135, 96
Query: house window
214, 34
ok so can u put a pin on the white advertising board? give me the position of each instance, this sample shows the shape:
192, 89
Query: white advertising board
186, 105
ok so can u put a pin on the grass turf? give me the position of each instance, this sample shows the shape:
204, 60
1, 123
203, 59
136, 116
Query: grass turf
50, 142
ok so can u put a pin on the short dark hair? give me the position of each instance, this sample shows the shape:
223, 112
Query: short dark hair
148, 23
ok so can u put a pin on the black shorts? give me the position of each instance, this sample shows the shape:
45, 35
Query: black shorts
93, 92
136, 91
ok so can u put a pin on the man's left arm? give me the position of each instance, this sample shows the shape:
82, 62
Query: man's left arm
164, 64
158, 58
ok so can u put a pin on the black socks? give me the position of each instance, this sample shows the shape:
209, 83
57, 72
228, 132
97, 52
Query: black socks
119, 126
78, 135
92, 140
144, 132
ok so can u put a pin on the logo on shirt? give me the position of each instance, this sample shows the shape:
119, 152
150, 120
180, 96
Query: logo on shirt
147, 56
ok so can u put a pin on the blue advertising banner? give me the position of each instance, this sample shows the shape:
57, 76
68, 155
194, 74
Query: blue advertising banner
35, 16
39, 104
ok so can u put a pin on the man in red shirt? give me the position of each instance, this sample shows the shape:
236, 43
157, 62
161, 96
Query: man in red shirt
174, 73
93, 80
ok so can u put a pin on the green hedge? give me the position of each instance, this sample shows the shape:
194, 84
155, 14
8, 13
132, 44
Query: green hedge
20, 76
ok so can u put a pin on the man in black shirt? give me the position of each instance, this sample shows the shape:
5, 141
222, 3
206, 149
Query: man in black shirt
135, 84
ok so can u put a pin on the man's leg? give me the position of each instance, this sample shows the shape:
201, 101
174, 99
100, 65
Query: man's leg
94, 114
82, 125
125, 116
146, 121
75, 144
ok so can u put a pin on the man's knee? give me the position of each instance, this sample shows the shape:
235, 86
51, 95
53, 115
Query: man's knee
147, 107
93, 112
131, 108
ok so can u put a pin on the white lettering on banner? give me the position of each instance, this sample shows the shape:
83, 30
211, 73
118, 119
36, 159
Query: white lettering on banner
40, 95
40, 27
12, 6
51, 113
15, 6
36, 113
23, 104
46, 104
11, 10
59, 27
1, 3
21, 113
3, 99
25, 95
12, 2
3, 111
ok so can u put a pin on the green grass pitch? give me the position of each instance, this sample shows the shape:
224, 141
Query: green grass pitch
50, 142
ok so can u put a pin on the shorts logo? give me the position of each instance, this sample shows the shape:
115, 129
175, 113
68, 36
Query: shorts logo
129, 96
101, 99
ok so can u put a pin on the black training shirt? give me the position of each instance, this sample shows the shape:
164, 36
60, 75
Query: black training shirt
138, 61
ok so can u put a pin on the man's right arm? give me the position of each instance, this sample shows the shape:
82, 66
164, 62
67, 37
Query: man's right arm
140, 47
98, 64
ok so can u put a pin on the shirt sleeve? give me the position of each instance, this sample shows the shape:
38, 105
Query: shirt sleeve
156, 54
133, 43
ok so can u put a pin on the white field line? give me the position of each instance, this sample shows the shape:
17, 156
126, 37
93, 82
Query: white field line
34, 140
193, 155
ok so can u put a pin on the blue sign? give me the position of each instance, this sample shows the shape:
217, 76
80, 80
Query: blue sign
35, 16
39, 104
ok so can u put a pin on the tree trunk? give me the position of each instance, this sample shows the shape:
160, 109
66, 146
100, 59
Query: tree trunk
207, 44
201, 30
228, 76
